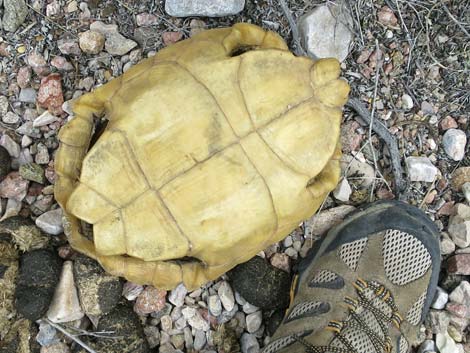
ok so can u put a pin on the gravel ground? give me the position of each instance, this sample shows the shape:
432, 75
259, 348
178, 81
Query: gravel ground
408, 63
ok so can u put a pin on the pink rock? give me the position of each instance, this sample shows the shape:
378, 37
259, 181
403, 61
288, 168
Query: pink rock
14, 187
50, 173
459, 310
150, 300
350, 138
61, 63
364, 56
448, 123
387, 17
38, 64
68, 47
281, 261
131, 290
459, 264
23, 78
171, 37
50, 94
146, 19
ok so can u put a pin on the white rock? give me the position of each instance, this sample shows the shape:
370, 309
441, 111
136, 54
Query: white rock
65, 306
115, 43
215, 305
195, 319
445, 343
27, 95
249, 343
460, 234
10, 118
26, 141
325, 32
249, 308
199, 340
13, 208
51, 222
461, 294
343, 191
407, 102
421, 169
454, 142
226, 296
440, 299
355, 168
427, 346
177, 295
131, 290
254, 321
206, 8
447, 245
44, 119
10, 145
466, 191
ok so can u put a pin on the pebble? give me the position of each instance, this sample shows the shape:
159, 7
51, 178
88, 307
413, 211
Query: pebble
61, 63
115, 43
195, 319
14, 186
226, 296
353, 167
445, 343
196, 26
51, 222
421, 169
461, 294
466, 191
427, 346
387, 17
199, 340
323, 221
33, 172
447, 245
42, 154
153, 336
249, 308
150, 300
215, 305
44, 119
50, 94
177, 295
460, 233
437, 320
10, 145
10, 118
407, 102
460, 177
205, 8
91, 42
280, 261
440, 299
325, 32
448, 123
69, 46
146, 19
254, 321
343, 191
166, 323
23, 77
27, 95
14, 14
171, 37
427, 108
459, 264
131, 291
46, 335
37, 62
65, 306
454, 142
249, 343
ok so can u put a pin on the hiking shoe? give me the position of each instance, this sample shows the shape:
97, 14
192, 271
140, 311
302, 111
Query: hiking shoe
366, 287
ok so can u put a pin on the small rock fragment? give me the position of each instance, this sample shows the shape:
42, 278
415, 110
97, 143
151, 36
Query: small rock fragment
23, 78
69, 47
58, 347
27, 95
131, 291
10, 118
459, 264
205, 8
14, 14
65, 306
445, 343
461, 294
355, 168
325, 32
427, 346
420, 169
146, 19
448, 123
150, 300
10, 145
454, 142
249, 343
33, 172
281, 261
460, 233
3, 105
447, 245
50, 94
466, 191
61, 63
177, 295
115, 43
199, 340
91, 42
460, 177
46, 335
37, 62
14, 186
407, 102
254, 321
440, 299
171, 37
195, 319
343, 191
42, 154
44, 119
226, 296
51, 222
387, 17
215, 305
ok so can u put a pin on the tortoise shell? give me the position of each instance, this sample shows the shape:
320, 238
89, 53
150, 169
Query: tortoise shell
215, 148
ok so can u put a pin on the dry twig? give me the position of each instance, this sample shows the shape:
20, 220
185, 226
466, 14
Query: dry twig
69, 335
299, 50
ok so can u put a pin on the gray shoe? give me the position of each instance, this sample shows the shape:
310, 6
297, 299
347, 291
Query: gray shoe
366, 287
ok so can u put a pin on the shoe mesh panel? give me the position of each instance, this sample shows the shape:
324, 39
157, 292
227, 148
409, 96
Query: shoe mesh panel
308, 309
405, 257
403, 347
377, 302
324, 276
279, 344
358, 339
371, 321
414, 314
351, 252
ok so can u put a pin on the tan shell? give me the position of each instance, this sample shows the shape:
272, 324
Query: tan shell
208, 156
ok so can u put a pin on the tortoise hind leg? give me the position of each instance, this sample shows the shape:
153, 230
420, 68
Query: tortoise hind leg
74, 140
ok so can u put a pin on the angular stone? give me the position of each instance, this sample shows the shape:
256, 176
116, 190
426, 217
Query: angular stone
440, 299
281, 261
61, 63
146, 19
10, 118
195, 319
460, 233
131, 291
206, 8
15, 12
27, 95
10, 145
325, 32
226, 296
50, 94
343, 191
68, 47
44, 119
14, 186
177, 295
249, 343
150, 300
459, 264
199, 340
37, 62
51, 222
33, 172
115, 43
437, 320
254, 321
461, 294
91, 42
454, 142
421, 169
445, 343
215, 305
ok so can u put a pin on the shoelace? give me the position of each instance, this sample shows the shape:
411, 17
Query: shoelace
356, 322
